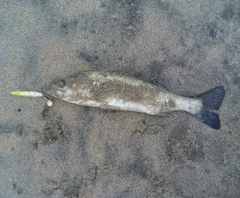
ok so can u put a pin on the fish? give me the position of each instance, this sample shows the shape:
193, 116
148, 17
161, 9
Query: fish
114, 91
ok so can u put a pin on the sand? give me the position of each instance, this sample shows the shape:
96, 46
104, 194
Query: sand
65, 150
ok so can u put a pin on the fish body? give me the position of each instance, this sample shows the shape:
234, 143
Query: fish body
112, 91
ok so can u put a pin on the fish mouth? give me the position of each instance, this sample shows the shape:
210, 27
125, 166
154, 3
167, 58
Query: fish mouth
50, 91
49, 97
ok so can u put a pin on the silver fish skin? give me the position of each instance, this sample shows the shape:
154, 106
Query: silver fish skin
108, 90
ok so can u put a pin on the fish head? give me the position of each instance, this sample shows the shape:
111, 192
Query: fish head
71, 88
65, 88
57, 88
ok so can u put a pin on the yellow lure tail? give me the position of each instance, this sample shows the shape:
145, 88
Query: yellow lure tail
22, 93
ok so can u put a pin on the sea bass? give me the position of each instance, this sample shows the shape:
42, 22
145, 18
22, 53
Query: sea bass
112, 91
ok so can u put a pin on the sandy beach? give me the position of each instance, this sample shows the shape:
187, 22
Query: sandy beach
70, 151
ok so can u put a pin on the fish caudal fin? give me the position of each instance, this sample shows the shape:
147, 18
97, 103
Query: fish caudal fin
211, 101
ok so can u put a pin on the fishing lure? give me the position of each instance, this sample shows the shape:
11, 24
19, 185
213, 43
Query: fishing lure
24, 93
31, 94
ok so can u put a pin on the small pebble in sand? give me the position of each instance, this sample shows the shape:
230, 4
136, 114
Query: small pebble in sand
49, 103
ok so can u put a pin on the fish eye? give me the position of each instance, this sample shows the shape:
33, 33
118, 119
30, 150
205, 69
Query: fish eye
61, 83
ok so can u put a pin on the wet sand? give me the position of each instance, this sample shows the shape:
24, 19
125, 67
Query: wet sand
65, 150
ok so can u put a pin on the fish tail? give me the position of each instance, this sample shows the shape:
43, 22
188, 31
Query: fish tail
211, 101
